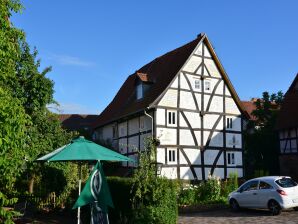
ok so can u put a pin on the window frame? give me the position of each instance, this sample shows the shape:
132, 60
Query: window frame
229, 124
142, 124
172, 156
231, 159
115, 131
171, 118
205, 85
139, 91
197, 84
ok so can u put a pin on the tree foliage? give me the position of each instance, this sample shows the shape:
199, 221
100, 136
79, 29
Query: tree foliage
27, 128
261, 139
154, 198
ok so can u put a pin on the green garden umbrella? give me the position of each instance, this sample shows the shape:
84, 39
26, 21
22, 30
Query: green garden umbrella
80, 150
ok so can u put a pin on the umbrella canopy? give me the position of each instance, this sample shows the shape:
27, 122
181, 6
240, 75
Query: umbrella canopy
81, 149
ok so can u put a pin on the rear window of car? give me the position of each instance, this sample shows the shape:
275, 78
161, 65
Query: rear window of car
286, 182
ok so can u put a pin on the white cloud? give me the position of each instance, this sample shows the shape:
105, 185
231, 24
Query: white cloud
71, 108
70, 60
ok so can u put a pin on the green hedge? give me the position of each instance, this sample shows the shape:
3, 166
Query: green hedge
122, 198
159, 205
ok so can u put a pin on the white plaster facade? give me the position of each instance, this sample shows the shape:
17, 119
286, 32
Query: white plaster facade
196, 118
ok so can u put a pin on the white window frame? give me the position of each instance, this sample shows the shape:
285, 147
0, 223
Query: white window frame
205, 85
231, 159
229, 124
139, 91
171, 118
197, 84
172, 156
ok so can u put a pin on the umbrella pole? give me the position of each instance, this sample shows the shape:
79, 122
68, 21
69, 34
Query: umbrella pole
80, 183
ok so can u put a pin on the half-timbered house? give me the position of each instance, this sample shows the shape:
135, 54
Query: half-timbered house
287, 125
186, 100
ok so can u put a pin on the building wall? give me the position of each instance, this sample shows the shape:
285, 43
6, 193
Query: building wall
288, 158
191, 123
129, 135
288, 141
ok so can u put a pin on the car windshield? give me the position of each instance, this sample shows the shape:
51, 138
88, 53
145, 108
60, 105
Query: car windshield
286, 182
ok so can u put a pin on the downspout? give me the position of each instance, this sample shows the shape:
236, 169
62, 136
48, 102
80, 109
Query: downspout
148, 115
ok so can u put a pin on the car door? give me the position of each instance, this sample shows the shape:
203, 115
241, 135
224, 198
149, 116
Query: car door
264, 194
247, 196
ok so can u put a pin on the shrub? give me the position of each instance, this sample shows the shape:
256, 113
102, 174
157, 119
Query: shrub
188, 196
154, 198
159, 204
230, 185
210, 189
120, 189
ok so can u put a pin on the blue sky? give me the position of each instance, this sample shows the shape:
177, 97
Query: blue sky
94, 45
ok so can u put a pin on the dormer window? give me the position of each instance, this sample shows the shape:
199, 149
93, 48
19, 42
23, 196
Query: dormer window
142, 85
139, 91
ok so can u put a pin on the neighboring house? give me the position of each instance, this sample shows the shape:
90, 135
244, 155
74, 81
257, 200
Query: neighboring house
81, 123
186, 100
249, 107
287, 125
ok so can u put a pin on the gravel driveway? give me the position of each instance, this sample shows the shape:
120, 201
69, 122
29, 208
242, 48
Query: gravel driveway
244, 216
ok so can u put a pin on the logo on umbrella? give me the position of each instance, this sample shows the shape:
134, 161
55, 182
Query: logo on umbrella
95, 185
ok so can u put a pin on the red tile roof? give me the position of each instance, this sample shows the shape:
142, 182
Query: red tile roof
249, 107
76, 122
288, 115
160, 72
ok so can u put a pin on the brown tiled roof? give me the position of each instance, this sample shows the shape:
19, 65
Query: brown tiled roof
161, 71
288, 115
76, 122
249, 107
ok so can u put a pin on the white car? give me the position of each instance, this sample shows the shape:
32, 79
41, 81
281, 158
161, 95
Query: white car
272, 192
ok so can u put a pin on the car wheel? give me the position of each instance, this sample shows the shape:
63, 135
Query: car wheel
234, 205
274, 207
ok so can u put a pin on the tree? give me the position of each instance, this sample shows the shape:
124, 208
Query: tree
262, 145
27, 128
13, 119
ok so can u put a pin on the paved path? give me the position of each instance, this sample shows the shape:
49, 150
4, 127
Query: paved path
244, 216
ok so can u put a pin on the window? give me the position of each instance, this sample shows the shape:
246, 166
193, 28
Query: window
264, 185
171, 117
231, 158
229, 123
139, 91
286, 182
252, 185
122, 132
207, 85
142, 125
197, 83
171, 156
115, 131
